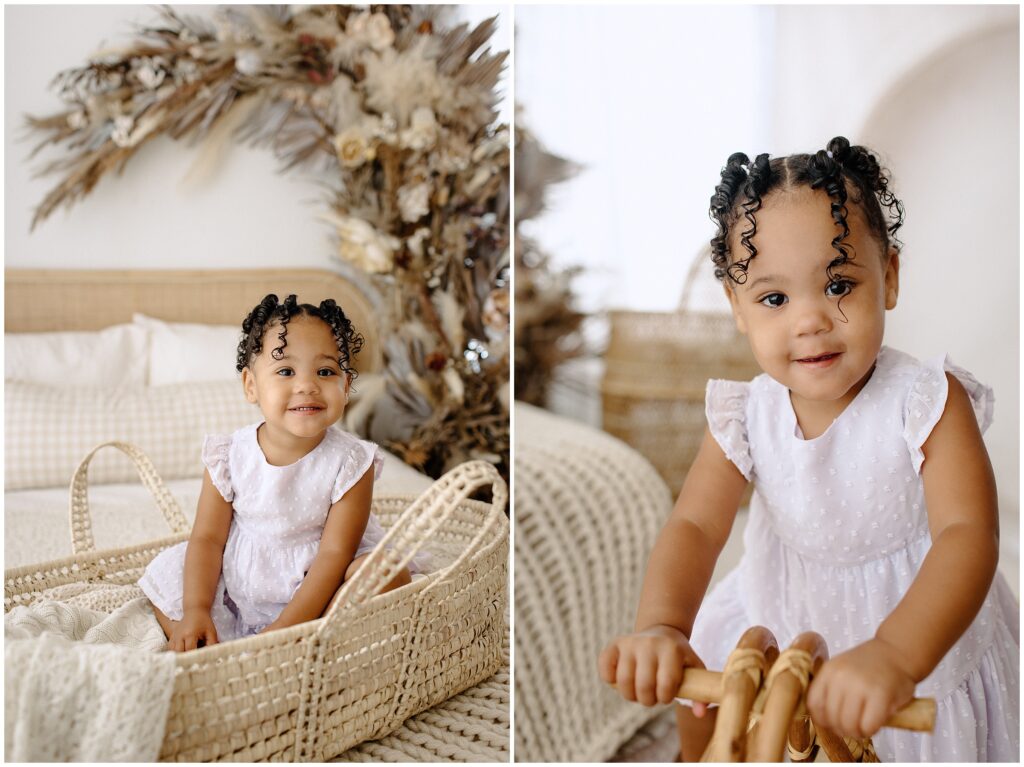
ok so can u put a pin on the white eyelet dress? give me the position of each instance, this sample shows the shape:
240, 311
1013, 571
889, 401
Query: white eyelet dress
837, 532
279, 516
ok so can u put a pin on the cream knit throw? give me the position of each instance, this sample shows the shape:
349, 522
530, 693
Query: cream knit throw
83, 684
587, 511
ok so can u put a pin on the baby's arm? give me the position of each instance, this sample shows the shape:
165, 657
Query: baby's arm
346, 523
203, 559
647, 666
857, 691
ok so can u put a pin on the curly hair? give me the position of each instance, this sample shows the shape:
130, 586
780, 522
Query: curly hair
844, 172
270, 311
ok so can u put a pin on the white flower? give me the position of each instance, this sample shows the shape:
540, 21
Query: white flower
248, 61
150, 76
414, 201
415, 242
422, 131
121, 134
352, 147
372, 29
397, 82
454, 384
77, 119
365, 247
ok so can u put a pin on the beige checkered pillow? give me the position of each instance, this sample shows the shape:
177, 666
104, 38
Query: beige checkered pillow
48, 429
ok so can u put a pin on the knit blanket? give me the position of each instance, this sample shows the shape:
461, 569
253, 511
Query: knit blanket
85, 684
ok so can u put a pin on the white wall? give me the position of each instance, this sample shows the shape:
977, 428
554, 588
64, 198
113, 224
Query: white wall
245, 214
652, 101
958, 169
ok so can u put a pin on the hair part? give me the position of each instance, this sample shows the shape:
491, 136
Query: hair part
270, 313
844, 172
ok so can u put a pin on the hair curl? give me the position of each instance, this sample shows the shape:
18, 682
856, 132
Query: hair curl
270, 311
839, 170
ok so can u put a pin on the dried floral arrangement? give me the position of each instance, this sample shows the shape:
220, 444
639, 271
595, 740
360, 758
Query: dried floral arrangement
547, 324
399, 111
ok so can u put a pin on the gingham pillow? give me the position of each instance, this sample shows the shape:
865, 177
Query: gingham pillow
49, 429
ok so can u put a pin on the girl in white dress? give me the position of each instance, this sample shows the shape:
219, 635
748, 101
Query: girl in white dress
284, 511
873, 519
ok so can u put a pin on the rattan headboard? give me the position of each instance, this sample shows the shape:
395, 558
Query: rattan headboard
37, 300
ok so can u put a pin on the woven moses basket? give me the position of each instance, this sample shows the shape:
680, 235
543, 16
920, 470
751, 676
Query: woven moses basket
656, 370
311, 691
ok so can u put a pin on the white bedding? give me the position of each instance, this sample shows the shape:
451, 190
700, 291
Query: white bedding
37, 527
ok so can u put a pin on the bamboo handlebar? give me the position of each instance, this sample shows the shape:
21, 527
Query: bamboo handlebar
706, 686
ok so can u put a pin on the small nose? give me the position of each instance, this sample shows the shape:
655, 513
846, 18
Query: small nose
813, 317
305, 383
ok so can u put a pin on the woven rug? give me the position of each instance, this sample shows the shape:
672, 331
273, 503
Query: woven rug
471, 727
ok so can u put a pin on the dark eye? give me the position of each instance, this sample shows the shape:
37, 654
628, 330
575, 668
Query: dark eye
838, 288
325, 372
773, 300
284, 372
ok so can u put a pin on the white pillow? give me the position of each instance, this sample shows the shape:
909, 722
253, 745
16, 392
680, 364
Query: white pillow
49, 429
112, 357
180, 352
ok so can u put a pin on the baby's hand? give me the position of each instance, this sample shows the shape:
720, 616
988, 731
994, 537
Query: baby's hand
647, 667
195, 626
856, 692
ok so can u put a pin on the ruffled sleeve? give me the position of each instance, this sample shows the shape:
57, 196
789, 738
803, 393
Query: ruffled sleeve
215, 458
361, 455
927, 399
726, 410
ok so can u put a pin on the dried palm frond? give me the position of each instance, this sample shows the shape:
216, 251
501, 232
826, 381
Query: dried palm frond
548, 326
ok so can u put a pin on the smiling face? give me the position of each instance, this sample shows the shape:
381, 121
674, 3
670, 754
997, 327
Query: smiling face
817, 335
304, 392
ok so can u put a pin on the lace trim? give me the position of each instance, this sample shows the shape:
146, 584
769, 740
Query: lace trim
215, 457
927, 400
362, 455
726, 411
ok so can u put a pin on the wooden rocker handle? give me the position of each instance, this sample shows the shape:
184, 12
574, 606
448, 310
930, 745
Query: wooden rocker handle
784, 689
740, 681
702, 685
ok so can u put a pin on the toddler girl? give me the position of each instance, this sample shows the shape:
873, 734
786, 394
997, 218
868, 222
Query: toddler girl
284, 511
874, 518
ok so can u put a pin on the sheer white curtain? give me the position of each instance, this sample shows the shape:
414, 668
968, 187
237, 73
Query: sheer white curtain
652, 100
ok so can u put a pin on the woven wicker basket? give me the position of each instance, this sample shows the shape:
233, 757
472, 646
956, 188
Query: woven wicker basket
311, 691
656, 369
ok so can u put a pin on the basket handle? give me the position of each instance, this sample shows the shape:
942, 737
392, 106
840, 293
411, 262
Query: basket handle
699, 260
81, 519
414, 528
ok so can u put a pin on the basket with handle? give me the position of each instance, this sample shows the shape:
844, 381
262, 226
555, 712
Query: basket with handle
311, 691
657, 366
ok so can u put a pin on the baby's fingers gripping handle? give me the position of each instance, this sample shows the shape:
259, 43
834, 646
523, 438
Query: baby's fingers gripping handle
706, 686
81, 519
415, 527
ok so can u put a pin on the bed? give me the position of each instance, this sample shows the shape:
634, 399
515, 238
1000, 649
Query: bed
162, 382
